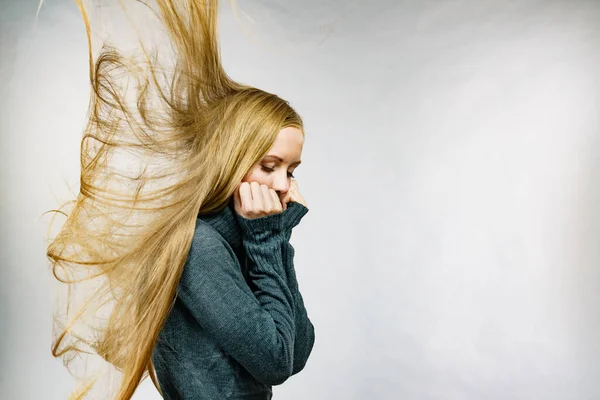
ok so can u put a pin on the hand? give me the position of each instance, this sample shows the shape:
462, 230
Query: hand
252, 200
294, 195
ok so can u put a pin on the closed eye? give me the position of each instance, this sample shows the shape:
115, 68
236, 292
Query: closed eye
272, 169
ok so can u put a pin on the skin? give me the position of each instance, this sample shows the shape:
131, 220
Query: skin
269, 186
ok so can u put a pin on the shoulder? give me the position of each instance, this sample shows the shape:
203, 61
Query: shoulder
207, 240
209, 254
210, 265
206, 233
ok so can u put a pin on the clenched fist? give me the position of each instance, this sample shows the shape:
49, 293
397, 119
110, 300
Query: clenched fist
294, 195
252, 200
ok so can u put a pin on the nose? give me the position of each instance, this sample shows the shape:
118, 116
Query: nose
281, 183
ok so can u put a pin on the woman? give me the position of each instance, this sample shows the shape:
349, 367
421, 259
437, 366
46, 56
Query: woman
183, 269
235, 331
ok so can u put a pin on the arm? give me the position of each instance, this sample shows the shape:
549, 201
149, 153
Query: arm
257, 329
305, 332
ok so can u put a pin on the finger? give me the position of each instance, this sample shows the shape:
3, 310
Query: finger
245, 197
266, 197
237, 203
293, 194
293, 187
284, 200
253, 187
286, 197
275, 200
257, 198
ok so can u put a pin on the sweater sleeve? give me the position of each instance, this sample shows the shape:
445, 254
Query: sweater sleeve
257, 329
305, 331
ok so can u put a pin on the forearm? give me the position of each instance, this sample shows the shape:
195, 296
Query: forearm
304, 329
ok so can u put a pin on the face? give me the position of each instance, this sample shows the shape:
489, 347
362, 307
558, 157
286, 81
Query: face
276, 168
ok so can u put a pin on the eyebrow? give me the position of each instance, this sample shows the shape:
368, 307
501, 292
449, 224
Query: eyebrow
281, 159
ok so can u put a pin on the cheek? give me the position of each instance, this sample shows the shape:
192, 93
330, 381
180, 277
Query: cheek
256, 175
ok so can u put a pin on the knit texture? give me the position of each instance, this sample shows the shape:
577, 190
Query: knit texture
238, 325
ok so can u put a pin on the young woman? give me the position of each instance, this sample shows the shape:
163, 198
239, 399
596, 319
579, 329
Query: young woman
183, 270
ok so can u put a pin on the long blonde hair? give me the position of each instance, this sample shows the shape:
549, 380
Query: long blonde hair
119, 254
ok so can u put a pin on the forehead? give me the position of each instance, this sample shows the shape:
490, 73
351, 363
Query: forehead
288, 144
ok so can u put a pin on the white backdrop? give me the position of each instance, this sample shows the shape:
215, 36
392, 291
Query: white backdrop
451, 168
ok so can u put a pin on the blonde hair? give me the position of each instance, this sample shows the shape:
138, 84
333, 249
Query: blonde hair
122, 248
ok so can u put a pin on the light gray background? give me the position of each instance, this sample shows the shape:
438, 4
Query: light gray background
452, 169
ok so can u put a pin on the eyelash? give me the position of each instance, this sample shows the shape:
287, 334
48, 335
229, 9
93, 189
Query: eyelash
267, 169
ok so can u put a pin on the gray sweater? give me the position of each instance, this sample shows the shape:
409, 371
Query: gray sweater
239, 324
